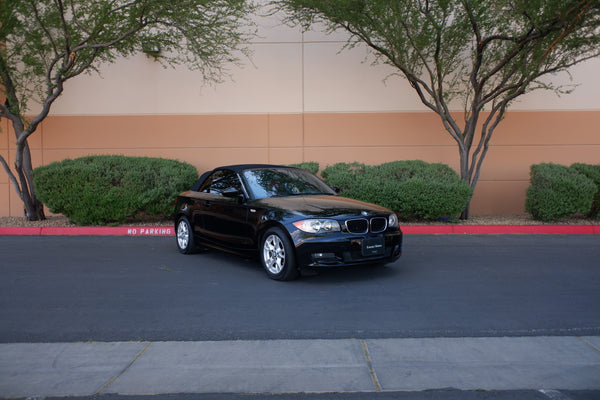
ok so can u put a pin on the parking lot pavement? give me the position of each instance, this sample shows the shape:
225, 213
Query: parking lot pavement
545, 364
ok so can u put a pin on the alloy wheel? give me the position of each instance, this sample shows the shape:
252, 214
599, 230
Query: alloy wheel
183, 235
274, 254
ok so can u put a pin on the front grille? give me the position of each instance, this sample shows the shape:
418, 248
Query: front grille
359, 225
378, 224
362, 225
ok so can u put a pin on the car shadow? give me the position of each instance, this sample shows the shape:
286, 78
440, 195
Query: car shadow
336, 275
324, 275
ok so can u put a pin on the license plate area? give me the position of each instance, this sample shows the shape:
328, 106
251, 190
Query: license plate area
373, 247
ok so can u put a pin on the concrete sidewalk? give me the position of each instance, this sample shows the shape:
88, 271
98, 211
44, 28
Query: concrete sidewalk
292, 366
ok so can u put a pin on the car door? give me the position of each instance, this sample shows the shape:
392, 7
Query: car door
221, 216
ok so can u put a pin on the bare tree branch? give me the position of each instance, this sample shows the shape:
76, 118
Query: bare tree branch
11, 176
52, 41
486, 54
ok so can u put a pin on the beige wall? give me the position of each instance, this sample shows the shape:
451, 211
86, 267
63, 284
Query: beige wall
206, 141
298, 98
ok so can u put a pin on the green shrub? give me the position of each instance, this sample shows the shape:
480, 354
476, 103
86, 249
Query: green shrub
100, 190
412, 189
592, 172
557, 191
344, 176
310, 166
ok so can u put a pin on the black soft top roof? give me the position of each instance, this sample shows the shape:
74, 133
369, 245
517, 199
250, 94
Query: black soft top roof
242, 167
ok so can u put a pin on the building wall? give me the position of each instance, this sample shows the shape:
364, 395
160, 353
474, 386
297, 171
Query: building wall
299, 99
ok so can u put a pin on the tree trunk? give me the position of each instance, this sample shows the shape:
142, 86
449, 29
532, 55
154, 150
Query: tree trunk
464, 174
466, 212
33, 208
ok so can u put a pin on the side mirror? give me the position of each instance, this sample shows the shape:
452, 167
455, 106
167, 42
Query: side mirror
336, 189
233, 193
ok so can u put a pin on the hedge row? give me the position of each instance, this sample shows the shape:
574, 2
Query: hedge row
107, 189
412, 189
100, 190
558, 191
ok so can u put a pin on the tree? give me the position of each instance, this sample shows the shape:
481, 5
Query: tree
481, 53
45, 43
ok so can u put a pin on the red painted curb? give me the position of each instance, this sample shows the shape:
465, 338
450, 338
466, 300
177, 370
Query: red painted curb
409, 229
20, 231
91, 230
500, 229
427, 229
546, 229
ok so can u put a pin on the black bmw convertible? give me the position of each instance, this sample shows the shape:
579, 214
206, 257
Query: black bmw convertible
288, 216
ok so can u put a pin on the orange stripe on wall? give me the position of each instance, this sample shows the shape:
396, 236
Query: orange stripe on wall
206, 141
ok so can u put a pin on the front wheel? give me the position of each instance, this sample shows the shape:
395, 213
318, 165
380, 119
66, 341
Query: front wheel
277, 255
185, 236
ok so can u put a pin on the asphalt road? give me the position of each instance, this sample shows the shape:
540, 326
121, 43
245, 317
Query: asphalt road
448, 394
66, 289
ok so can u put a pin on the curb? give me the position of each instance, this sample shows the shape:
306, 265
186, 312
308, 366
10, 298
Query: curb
409, 229
90, 230
501, 229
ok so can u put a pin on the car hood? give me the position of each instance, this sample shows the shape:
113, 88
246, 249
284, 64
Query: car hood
321, 206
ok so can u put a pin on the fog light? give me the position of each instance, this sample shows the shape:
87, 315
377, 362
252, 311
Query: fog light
326, 258
324, 255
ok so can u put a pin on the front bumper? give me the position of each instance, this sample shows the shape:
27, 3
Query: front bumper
344, 249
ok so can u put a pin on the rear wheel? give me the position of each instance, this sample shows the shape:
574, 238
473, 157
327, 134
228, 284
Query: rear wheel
277, 255
185, 236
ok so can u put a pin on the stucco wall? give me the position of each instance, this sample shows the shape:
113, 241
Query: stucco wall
210, 140
299, 99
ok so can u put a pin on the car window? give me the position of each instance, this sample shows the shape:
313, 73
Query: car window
271, 182
221, 181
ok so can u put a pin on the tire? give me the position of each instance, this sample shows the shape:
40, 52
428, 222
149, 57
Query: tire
184, 236
277, 256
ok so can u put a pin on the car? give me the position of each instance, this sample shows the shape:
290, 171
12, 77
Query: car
287, 216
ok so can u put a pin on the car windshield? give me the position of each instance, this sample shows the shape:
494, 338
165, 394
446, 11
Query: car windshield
276, 182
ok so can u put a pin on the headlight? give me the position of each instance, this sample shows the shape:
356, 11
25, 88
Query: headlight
318, 225
393, 221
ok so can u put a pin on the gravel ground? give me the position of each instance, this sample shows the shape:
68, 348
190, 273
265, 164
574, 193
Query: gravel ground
525, 219
59, 220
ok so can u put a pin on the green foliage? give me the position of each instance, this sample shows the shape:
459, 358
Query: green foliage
45, 43
431, 42
310, 166
481, 55
99, 190
60, 40
412, 189
593, 173
344, 176
558, 191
